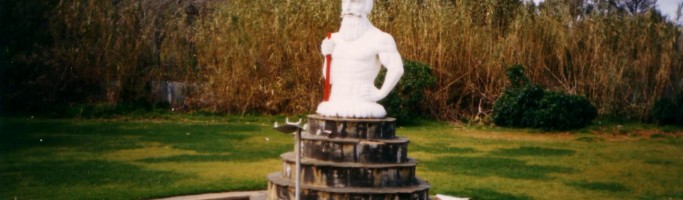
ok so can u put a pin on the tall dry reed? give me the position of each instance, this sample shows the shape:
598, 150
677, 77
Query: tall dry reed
263, 55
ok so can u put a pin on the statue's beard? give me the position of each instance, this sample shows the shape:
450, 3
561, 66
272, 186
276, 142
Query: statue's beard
353, 26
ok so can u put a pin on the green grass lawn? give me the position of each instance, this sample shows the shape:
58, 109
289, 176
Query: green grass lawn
142, 158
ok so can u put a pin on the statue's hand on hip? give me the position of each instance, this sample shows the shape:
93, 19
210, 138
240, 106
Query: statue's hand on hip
327, 47
371, 94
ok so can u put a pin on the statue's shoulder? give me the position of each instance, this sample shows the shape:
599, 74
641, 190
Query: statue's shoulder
381, 34
383, 39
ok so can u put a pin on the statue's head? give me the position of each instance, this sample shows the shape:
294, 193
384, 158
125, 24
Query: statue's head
355, 18
357, 7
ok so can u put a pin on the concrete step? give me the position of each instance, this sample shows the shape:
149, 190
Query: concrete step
282, 188
348, 174
333, 127
355, 150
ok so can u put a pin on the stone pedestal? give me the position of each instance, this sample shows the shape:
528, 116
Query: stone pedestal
350, 159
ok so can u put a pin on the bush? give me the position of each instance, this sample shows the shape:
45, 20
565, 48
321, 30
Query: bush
559, 111
525, 104
513, 108
668, 111
404, 102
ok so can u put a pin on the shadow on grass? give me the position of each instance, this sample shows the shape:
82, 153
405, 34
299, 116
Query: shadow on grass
486, 194
440, 148
65, 155
492, 166
245, 156
91, 172
20, 135
533, 151
600, 186
589, 139
102, 136
660, 162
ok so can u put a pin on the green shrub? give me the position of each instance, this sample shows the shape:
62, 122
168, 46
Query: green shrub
405, 101
516, 76
668, 111
559, 111
514, 108
525, 104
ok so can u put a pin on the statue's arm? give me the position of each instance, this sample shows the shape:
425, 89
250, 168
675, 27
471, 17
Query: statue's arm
326, 48
390, 59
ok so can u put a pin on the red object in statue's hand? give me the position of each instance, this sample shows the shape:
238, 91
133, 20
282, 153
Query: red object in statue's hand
327, 86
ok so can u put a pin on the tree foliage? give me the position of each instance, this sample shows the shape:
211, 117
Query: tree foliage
637, 6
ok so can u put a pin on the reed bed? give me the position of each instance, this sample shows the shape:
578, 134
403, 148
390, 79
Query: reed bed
262, 56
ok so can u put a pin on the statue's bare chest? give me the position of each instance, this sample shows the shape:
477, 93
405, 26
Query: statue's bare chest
359, 50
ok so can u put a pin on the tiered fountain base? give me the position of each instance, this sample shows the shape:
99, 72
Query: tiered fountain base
350, 159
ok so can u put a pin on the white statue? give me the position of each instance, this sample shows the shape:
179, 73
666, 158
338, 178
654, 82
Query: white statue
358, 51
